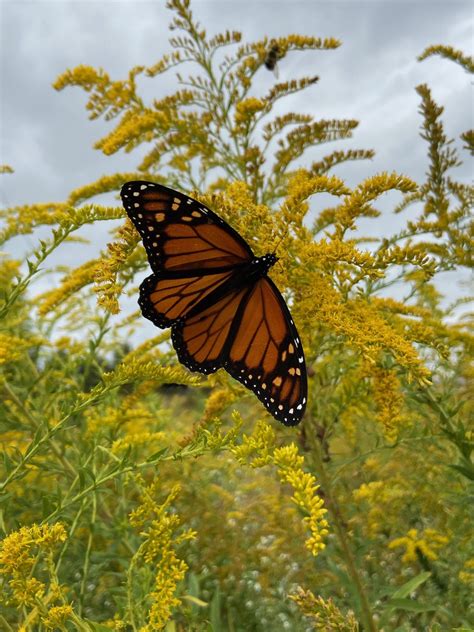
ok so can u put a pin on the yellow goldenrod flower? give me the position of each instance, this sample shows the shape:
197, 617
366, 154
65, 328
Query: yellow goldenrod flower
306, 497
15, 549
218, 401
106, 271
20, 553
71, 283
57, 616
246, 110
449, 53
259, 449
426, 543
324, 615
389, 401
466, 575
13, 347
26, 591
159, 527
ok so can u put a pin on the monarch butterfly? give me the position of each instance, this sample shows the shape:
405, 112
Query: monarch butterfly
224, 311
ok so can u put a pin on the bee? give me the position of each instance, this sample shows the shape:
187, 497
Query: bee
274, 54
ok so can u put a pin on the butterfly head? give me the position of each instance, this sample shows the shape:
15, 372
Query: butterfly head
263, 264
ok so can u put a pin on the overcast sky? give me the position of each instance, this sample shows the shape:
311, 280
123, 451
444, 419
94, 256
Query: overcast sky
47, 138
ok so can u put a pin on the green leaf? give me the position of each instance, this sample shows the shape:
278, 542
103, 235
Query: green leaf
97, 627
467, 472
156, 455
411, 585
410, 605
215, 614
195, 600
193, 583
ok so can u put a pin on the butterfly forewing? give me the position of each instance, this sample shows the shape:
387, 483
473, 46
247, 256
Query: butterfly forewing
222, 315
180, 233
165, 299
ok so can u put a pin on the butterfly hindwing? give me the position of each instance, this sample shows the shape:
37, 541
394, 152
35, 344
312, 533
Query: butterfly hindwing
166, 298
266, 354
202, 340
179, 233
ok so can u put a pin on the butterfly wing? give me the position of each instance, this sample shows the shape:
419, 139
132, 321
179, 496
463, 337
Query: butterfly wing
202, 339
251, 334
179, 233
165, 299
266, 354
217, 320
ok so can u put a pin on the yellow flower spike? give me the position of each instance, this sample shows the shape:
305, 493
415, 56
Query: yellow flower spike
389, 400
22, 220
158, 550
258, 450
290, 464
107, 97
20, 553
358, 203
102, 185
323, 614
449, 53
12, 347
426, 543
106, 270
218, 401
246, 110
27, 591
466, 575
70, 284
57, 617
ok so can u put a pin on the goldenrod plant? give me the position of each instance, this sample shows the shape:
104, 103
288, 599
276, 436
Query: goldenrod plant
138, 496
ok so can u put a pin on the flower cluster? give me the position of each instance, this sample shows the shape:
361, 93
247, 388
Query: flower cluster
324, 615
85, 419
259, 449
107, 270
158, 526
426, 543
23, 554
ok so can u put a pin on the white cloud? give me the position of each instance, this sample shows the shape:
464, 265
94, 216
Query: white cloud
48, 139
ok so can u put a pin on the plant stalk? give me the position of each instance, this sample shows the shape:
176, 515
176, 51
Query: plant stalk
338, 525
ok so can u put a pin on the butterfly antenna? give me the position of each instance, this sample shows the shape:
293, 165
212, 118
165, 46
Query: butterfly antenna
280, 240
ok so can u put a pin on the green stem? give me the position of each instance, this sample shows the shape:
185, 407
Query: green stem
37, 444
6, 626
52, 443
338, 523
118, 471
85, 570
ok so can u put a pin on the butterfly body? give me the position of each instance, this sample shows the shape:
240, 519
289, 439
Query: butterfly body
210, 288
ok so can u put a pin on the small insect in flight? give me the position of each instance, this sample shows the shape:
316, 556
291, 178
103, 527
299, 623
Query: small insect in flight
274, 54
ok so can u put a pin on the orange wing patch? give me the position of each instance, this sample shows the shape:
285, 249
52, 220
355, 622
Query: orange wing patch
179, 233
266, 354
166, 299
201, 341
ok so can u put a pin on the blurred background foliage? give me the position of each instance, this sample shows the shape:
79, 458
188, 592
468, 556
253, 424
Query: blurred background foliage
138, 496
